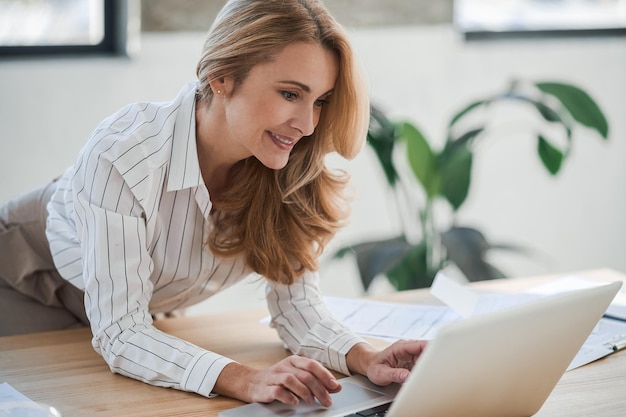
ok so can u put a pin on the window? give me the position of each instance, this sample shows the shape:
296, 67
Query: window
501, 18
53, 27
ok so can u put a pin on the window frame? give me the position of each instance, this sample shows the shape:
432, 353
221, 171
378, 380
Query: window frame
114, 42
558, 30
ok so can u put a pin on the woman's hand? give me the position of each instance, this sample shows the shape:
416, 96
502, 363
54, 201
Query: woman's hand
392, 364
289, 381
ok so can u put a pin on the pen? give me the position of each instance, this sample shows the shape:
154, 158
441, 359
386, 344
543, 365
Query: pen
614, 317
619, 346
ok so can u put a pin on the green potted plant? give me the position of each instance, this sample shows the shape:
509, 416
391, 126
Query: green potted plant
412, 259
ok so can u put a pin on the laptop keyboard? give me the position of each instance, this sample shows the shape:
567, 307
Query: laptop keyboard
380, 410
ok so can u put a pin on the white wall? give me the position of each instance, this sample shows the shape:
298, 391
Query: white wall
577, 220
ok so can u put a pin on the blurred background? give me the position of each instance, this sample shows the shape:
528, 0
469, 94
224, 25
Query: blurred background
66, 65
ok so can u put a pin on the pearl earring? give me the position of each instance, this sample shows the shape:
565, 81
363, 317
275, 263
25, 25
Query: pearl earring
219, 91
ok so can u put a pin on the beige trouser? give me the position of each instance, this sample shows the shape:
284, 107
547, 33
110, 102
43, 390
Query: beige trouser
33, 296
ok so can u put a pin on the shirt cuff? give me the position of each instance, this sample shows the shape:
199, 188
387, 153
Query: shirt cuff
201, 375
342, 346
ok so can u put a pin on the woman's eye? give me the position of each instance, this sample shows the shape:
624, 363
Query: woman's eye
321, 102
289, 95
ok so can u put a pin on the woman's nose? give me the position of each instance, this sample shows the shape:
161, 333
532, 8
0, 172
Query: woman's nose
306, 120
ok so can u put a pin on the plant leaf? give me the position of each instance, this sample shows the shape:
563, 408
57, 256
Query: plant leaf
579, 104
375, 257
379, 121
465, 138
466, 110
456, 171
384, 152
551, 157
411, 272
421, 157
466, 247
547, 112
381, 137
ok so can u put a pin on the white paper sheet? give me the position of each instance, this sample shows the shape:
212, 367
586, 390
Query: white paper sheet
15, 404
8, 394
394, 321
455, 294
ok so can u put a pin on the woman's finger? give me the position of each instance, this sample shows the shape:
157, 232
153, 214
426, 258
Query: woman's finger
318, 370
309, 380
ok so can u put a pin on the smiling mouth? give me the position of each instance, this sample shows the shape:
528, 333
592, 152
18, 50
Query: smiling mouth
282, 139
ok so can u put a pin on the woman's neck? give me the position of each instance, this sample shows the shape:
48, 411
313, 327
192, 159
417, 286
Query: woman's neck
212, 147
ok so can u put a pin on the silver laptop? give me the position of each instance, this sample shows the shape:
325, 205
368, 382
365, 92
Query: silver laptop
502, 364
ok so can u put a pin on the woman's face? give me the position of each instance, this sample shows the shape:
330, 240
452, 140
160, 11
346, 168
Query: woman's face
279, 103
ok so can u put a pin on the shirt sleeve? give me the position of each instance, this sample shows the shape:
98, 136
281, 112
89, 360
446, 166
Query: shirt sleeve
306, 326
111, 228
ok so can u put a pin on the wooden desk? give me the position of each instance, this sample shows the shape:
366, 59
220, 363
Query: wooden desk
61, 368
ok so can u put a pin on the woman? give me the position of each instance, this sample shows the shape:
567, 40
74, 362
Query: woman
168, 203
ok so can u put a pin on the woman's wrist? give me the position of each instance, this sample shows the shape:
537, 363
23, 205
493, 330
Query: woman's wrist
232, 381
360, 357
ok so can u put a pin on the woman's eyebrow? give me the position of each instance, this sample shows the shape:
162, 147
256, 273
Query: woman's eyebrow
298, 84
305, 87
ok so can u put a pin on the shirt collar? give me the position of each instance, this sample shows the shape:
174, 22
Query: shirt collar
184, 170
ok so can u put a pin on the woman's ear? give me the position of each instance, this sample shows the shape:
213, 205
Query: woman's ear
223, 86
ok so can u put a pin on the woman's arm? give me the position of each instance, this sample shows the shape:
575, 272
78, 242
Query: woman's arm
308, 329
110, 203
306, 326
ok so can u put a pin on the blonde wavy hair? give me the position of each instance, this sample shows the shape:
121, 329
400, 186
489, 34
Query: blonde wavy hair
281, 220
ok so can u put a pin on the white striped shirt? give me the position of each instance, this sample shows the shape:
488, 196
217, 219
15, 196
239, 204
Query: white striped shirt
128, 224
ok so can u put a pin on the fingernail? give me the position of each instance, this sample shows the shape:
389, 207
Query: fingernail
405, 375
